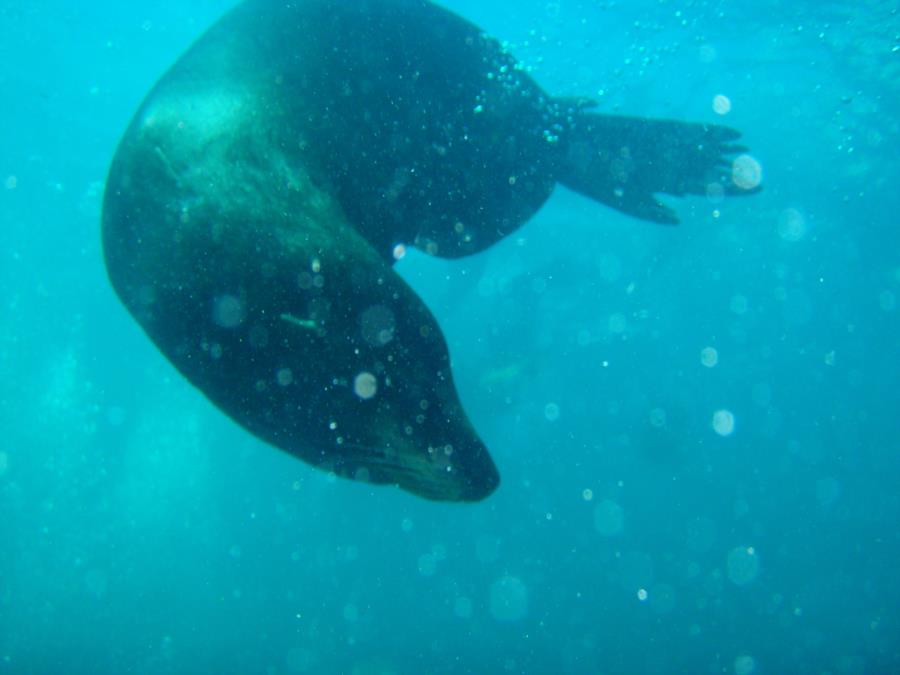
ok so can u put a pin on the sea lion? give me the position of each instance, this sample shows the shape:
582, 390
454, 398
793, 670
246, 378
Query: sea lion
254, 204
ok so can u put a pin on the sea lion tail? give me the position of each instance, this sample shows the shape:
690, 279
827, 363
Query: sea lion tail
624, 161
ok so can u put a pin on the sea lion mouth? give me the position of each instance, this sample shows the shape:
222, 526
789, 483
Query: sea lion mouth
430, 474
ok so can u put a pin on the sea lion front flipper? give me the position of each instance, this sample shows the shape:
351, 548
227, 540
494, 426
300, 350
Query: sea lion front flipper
624, 161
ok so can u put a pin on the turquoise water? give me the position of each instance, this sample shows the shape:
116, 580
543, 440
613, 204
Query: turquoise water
696, 426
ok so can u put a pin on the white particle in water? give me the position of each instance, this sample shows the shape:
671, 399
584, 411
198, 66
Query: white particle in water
723, 422
365, 385
791, 225
228, 311
743, 565
721, 104
508, 599
746, 172
709, 357
642, 594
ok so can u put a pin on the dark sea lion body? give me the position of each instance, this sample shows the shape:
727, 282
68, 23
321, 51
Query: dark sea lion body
254, 203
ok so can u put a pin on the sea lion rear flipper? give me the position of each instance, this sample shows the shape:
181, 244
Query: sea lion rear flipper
623, 161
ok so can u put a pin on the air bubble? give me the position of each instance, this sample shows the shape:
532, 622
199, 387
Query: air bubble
228, 311
744, 665
746, 172
721, 104
743, 565
791, 225
508, 599
723, 422
365, 385
462, 608
709, 357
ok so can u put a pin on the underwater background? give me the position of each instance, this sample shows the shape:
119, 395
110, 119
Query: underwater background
696, 426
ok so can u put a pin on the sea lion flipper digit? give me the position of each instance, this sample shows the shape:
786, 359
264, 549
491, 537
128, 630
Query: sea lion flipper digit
624, 161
